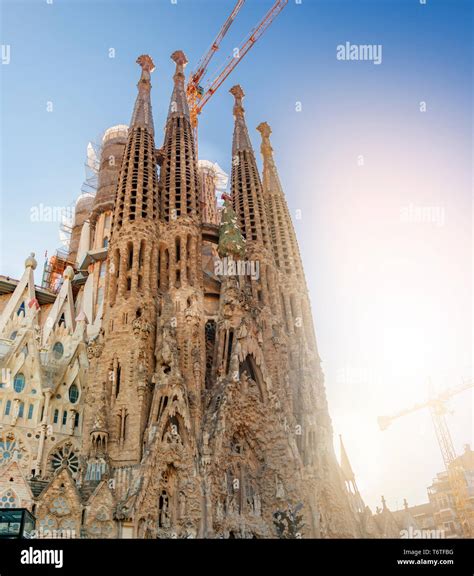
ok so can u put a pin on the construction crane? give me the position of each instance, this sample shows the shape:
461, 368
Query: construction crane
438, 409
197, 95
201, 68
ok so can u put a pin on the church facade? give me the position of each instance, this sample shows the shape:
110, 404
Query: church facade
171, 387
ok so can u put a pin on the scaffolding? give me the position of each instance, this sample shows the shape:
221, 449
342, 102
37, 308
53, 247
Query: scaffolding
54, 269
55, 266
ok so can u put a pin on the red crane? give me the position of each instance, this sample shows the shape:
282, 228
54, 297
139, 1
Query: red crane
198, 96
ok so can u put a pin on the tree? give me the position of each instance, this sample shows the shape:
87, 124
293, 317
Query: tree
288, 523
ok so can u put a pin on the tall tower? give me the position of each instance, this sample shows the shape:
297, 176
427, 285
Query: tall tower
122, 358
246, 186
180, 257
304, 373
293, 292
97, 230
249, 206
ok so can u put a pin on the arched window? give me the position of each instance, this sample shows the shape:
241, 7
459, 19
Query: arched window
8, 407
129, 256
58, 350
230, 341
188, 261
118, 375
73, 393
21, 310
141, 254
21, 409
125, 417
64, 417
19, 383
210, 339
56, 416
166, 264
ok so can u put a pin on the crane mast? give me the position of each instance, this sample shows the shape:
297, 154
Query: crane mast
456, 476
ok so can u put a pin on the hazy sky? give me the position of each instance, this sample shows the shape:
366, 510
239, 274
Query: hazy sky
383, 188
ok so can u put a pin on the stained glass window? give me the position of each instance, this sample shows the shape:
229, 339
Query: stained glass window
58, 350
65, 457
19, 383
73, 393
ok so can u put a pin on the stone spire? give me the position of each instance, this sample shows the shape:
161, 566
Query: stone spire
284, 242
126, 361
246, 187
179, 102
271, 181
142, 114
241, 134
137, 186
179, 192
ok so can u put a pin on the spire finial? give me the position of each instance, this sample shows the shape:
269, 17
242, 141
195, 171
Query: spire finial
179, 58
147, 66
179, 102
30, 262
142, 111
238, 95
146, 63
265, 131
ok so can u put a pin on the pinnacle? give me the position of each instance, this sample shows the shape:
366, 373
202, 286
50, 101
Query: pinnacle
179, 57
264, 129
146, 62
237, 92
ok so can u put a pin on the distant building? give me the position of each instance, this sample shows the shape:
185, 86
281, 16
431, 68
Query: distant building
443, 500
441, 512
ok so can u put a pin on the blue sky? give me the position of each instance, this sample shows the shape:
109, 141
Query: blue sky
391, 300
